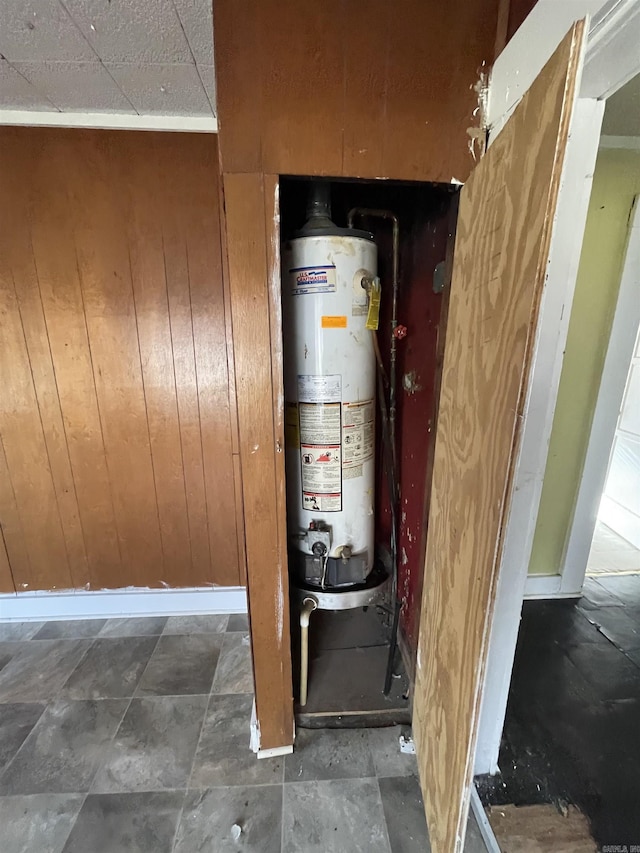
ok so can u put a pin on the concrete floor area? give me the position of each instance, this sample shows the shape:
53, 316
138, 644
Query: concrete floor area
133, 735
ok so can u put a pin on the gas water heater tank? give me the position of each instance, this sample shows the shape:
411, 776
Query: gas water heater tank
330, 382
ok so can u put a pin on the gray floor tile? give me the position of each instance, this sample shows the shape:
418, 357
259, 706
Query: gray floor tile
404, 813
334, 817
39, 669
17, 631
70, 630
16, 721
111, 668
224, 756
9, 651
64, 749
115, 823
213, 623
39, 824
234, 673
209, 816
181, 665
238, 622
329, 754
134, 626
154, 746
634, 655
385, 748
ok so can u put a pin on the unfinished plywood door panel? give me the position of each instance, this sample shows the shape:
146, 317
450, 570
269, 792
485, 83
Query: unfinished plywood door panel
253, 249
116, 417
504, 229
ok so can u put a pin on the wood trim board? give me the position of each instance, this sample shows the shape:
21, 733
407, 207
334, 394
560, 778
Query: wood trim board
247, 198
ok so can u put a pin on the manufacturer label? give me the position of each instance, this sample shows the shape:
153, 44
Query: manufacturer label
320, 389
306, 280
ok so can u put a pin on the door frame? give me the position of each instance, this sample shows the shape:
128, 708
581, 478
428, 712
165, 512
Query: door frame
611, 60
622, 342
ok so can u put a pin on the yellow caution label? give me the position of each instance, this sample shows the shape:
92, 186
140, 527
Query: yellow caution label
334, 322
373, 314
291, 426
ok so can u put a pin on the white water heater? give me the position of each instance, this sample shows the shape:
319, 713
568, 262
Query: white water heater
330, 390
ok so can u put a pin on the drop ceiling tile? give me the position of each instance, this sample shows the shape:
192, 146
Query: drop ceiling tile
17, 93
162, 89
76, 86
208, 77
131, 30
40, 30
197, 20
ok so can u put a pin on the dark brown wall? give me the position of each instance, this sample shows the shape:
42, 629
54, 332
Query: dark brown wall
117, 419
344, 88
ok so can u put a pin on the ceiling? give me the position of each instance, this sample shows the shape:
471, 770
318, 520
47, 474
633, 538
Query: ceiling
622, 111
145, 57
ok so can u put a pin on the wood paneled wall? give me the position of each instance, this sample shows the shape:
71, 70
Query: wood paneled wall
341, 88
118, 462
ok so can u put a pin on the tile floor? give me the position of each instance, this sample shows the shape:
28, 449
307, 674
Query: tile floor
132, 735
611, 554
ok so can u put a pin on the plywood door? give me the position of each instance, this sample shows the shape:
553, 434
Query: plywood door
502, 244
117, 415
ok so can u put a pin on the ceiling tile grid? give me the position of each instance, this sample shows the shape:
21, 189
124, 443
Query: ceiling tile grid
147, 57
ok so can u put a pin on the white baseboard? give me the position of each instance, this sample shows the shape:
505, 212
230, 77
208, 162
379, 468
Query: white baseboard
110, 121
546, 586
109, 603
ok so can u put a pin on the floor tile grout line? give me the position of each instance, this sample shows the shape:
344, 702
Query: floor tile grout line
135, 694
282, 813
82, 657
179, 820
195, 752
189, 633
384, 814
75, 820
106, 748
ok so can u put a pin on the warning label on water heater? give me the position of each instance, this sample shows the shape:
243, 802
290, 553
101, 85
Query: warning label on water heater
313, 279
319, 423
321, 471
320, 430
358, 434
